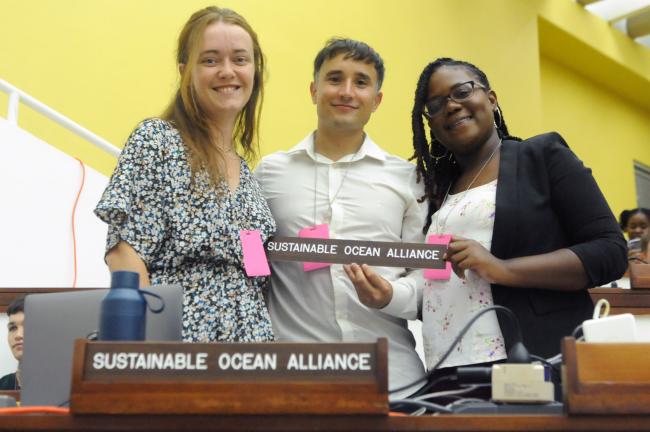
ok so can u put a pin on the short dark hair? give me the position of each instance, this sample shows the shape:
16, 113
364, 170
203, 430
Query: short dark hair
16, 306
355, 50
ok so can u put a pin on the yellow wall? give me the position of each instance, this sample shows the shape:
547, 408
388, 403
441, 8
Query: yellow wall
604, 129
108, 64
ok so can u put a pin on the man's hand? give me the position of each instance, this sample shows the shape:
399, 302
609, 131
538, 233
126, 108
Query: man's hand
465, 254
373, 290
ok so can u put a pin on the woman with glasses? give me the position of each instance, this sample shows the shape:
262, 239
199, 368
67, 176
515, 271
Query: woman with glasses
530, 229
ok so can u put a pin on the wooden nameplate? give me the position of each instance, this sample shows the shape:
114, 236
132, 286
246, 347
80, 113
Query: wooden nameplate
606, 378
229, 378
639, 276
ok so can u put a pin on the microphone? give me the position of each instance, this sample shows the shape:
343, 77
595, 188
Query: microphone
517, 353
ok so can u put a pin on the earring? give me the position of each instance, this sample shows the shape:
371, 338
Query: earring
498, 118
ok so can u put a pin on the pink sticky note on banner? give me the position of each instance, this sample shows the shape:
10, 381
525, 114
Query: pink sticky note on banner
439, 274
255, 262
321, 231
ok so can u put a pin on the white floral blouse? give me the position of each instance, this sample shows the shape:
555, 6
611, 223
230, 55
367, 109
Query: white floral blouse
188, 233
448, 305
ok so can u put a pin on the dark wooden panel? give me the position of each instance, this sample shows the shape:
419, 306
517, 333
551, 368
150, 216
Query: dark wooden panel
635, 301
7, 295
326, 423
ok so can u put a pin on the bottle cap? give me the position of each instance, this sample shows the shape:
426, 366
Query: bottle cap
125, 279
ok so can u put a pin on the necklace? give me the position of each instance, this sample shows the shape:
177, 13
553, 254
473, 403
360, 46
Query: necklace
336, 194
441, 225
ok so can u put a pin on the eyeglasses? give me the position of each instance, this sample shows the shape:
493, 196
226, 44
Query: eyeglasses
460, 93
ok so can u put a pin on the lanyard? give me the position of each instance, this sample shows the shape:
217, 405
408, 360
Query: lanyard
345, 175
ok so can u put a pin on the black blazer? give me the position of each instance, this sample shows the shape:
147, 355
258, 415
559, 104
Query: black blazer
547, 200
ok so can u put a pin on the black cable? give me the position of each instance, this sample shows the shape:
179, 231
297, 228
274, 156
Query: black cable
464, 330
545, 361
434, 383
428, 405
463, 401
447, 394
577, 331
411, 384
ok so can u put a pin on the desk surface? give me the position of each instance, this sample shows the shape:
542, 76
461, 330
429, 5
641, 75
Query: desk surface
325, 423
625, 299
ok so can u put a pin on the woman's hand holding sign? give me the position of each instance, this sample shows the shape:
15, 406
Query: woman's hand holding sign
465, 254
567, 270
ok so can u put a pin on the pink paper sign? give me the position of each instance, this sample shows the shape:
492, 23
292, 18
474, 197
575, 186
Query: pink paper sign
321, 231
439, 274
255, 263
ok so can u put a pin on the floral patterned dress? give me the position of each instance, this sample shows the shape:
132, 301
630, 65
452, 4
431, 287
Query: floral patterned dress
187, 233
447, 305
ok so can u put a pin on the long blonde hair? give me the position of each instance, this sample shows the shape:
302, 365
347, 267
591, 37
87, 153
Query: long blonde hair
185, 113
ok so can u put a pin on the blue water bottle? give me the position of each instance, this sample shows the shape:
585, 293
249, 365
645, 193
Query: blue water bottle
123, 310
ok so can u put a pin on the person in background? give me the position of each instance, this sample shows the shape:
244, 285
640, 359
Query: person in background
15, 332
181, 192
339, 183
530, 228
634, 224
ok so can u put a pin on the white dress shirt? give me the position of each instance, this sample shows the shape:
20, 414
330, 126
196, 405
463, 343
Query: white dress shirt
369, 195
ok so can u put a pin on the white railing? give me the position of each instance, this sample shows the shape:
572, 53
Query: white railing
16, 96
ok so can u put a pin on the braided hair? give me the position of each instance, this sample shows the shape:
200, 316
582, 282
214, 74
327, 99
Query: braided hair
436, 166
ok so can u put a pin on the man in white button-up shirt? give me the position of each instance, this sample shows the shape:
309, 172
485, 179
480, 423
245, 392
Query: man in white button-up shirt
339, 178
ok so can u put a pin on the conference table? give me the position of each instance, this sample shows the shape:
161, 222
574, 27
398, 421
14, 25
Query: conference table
623, 299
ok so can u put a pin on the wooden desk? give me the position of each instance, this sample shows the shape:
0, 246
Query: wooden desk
7, 295
325, 423
621, 300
